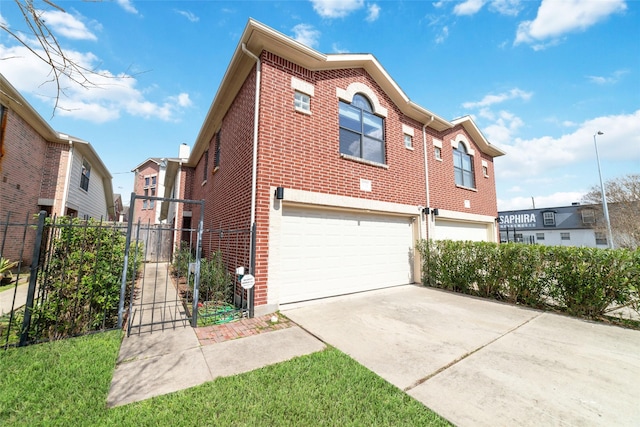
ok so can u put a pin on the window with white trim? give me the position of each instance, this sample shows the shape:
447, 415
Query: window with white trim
549, 219
463, 167
565, 236
601, 238
588, 216
540, 236
437, 153
408, 141
302, 102
361, 131
84, 177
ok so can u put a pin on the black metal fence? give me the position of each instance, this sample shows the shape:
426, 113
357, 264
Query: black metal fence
66, 281
67, 277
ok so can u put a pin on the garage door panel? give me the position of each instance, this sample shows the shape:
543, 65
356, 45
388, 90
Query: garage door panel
459, 230
327, 253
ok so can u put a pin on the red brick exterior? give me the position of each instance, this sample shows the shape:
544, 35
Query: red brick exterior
445, 194
302, 151
21, 169
148, 214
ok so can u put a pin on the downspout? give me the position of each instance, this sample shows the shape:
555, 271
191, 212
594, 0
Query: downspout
67, 180
254, 167
426, 173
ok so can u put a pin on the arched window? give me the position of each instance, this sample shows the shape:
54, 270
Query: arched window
463, 167
361, 131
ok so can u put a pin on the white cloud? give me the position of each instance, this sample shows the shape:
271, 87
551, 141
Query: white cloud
107, 98
604, 80
306, 34
468, 7
539, 155
561, 198
506, 125
127, 6
506, 7
189, 15
336, 8
557, 18
499, 98
444, 33
335, 48
66, 25
374, 12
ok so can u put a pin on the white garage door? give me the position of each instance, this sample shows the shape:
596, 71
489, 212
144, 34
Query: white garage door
458, 230
327, 253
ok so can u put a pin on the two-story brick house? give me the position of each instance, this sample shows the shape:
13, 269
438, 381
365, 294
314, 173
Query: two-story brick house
339, 171
45, 170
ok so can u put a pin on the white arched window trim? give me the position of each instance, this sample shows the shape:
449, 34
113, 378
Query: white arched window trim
346, 95
462, 139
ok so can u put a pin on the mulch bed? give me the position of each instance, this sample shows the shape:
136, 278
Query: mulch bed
241, 328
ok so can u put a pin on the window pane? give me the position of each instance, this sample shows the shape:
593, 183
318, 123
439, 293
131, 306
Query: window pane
466, 163
468, 179
350, 117
458, 173
361, 102
457, 159
349, 143
372, 126
372, 150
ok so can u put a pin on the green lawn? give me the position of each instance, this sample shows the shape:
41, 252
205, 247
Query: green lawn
66, 383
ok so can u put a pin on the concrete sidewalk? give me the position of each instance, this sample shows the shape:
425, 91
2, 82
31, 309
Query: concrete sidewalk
481, 363
163, 354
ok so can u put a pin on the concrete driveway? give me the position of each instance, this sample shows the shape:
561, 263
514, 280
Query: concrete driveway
479, 362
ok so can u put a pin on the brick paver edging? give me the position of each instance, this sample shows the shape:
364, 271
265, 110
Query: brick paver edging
241, 328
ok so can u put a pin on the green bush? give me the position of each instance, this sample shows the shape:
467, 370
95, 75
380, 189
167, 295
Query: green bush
216, 284
181, 260
585, 282
80, 285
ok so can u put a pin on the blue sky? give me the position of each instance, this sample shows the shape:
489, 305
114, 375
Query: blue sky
540, 78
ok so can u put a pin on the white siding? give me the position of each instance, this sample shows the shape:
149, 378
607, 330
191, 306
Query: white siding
90, 203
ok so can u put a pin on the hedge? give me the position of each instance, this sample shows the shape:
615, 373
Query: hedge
585, 282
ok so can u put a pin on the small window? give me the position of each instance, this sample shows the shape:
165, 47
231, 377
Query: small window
540, 236
146, 181
206, 165
438, 153
216, 156
153, 180
588, 216
549, 219
601, 238
463, 167
302, 102
408, 141
485, 171
361, 131
565, 236
84, 178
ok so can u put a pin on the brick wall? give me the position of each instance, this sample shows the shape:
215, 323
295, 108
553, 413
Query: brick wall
442, 185
21, 171
147, 215
54, 175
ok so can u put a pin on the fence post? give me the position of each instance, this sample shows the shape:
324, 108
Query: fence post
127, 246
33, 277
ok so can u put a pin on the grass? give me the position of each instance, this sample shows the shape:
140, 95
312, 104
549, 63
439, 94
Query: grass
66, 383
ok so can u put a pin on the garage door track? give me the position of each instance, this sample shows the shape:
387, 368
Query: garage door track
479, 362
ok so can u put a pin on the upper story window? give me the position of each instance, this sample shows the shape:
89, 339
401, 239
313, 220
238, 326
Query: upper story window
84, 177
302, 102
361, 131
588, 216
216, 157
408, 141
549, 219
463, 167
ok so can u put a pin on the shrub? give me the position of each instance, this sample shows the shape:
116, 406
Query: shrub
80, 285
585, 282
216, 284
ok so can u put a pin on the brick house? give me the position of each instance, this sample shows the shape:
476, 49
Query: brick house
45, 170
339, 171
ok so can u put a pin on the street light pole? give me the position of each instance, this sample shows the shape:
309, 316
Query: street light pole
604, 196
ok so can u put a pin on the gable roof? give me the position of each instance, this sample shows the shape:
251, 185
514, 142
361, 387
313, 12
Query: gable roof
258, 37
13, 99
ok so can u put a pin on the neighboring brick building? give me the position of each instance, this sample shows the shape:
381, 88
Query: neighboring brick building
44, 170
326, 156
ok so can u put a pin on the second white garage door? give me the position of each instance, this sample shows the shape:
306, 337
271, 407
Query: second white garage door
459, 230
327, 253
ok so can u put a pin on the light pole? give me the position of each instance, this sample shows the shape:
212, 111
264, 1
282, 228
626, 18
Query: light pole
604, 196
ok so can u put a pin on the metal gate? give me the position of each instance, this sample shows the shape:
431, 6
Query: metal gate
156, 289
